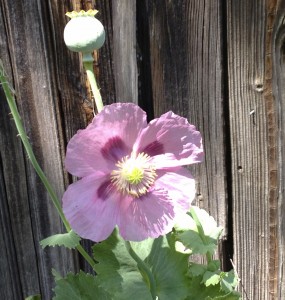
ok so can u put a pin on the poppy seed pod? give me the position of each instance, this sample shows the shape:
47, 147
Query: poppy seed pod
84, 33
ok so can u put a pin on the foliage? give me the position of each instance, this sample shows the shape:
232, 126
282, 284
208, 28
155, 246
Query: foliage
69, 240
119, 273
34, 297
156, 268
79, 286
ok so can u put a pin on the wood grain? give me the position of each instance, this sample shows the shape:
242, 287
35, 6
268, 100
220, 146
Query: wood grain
124, 42
275, 51
14, 216
31, 61
246, 23
186, 77
218, 63
272, 130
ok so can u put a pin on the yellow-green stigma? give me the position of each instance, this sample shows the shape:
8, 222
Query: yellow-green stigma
134, 175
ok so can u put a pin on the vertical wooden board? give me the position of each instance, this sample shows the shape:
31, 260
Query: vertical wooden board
67, 75
206, 100
246, 23
10, 284
124, 50
15, 212
32, 61
186, 77
74, 89
105, 56
10, 281
275, 79
19, 269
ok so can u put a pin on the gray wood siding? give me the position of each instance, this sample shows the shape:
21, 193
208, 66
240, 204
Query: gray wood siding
219, 63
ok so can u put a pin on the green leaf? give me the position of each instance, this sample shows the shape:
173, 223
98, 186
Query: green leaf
189, 233
211, 230
118, 272
56, 275
34, 297
184, 223
229, 281
229, 296
200, 269
199, 291
79, 286
196, 269
192, 240
69, 240
214, 265
211, 278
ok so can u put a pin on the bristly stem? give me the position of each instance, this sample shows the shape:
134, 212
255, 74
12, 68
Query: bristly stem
16, 116
88, 66
142, 266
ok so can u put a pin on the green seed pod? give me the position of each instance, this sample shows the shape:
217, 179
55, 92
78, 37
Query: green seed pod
84, 33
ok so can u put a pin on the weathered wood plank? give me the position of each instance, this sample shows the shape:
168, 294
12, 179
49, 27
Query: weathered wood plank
186, 77
13, 200
33, 218
246, 22
124, 45
164, 55
272, 130
275, 78
104, 65
19, 270
10, 281
68, 77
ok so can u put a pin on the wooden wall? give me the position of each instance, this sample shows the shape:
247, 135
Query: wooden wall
220, 63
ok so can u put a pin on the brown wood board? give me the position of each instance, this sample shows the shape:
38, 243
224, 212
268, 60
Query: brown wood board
218, 63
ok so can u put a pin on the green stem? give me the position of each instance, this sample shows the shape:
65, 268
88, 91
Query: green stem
144, 268
201, 232
88, 66
87, 257
14, 110
13, 107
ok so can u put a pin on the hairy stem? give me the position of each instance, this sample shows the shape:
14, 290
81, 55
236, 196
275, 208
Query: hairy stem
16, 116
19, 125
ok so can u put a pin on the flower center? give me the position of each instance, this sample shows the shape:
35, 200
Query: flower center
134, 175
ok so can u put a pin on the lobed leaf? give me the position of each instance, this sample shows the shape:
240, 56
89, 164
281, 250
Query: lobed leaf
211, 278
196, 269
189, 234
199, 291
118, 272
79, 286
229, 281
69, 240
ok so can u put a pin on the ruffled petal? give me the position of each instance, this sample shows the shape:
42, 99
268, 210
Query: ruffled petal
171, 141
180, 185
106, 140
91, 206
149, 216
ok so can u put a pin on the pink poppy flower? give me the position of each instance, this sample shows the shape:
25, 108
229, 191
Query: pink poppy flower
132, 174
